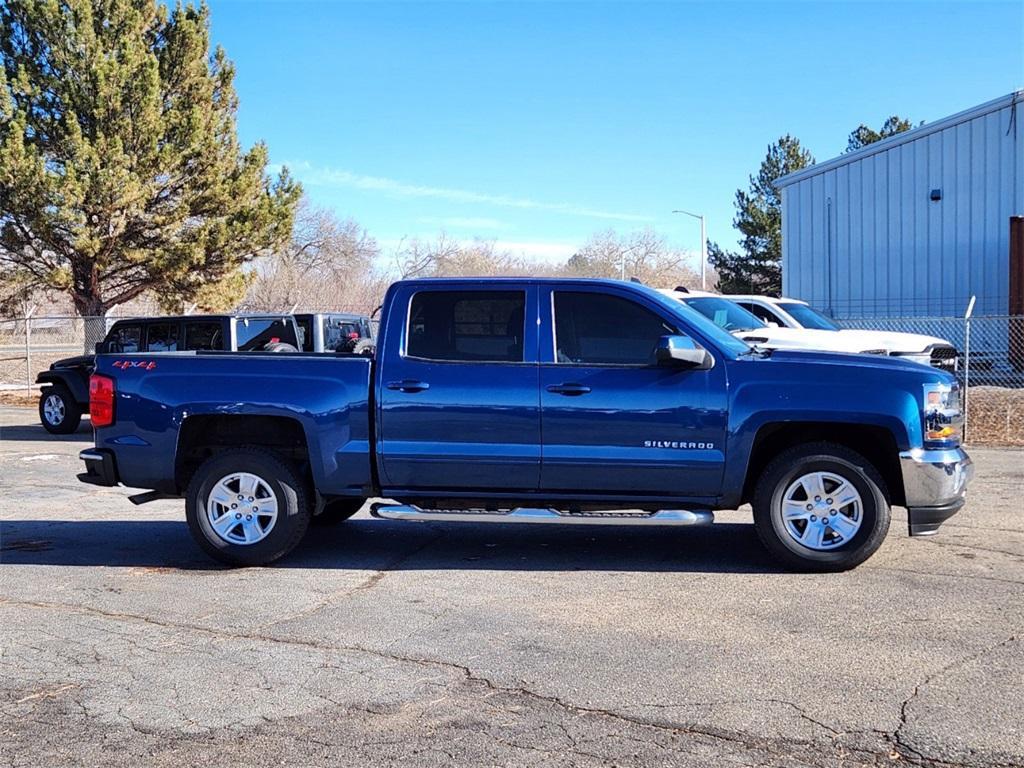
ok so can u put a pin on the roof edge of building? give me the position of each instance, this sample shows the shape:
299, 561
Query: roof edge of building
901, 138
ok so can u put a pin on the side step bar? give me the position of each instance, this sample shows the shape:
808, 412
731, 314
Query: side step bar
676, 517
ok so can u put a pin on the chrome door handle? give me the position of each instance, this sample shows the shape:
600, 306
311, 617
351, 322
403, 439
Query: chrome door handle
408, 385
569, 389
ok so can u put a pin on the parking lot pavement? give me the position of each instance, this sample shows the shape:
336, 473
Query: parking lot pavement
380, 643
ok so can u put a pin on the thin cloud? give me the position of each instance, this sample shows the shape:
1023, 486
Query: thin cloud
462, 222
342, 178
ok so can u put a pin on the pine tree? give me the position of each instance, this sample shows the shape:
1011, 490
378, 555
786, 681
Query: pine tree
862, 135
120, 167
758, 268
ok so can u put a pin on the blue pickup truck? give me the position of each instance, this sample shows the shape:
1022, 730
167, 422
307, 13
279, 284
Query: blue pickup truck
533, 400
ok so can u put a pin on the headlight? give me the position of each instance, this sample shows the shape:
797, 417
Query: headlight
943, 417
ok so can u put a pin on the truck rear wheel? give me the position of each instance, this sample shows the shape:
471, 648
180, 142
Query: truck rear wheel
247, 507
58, 410
821, 507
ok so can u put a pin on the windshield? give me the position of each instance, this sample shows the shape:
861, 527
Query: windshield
725, 341
808, 317
305, 323
726, 315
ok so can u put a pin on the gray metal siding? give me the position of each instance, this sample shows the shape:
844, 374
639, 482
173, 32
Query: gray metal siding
862, 238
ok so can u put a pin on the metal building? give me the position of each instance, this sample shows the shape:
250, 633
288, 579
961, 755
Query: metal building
912, 225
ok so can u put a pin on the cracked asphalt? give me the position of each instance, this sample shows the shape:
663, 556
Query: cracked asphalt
382, 643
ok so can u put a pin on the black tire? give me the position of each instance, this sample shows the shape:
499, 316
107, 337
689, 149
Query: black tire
364, 348
338, 511
72, 411
837, 460
293, 512
280, 346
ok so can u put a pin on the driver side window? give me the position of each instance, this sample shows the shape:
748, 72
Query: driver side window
126, 338
600, 329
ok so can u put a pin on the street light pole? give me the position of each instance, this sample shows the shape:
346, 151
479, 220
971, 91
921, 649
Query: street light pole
703, 248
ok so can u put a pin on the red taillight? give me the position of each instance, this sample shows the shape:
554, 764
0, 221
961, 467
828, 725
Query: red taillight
101, 400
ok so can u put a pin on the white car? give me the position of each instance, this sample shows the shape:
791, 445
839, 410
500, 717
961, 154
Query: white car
793, 313
733, 318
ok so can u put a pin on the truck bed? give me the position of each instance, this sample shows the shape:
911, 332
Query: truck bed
327, 395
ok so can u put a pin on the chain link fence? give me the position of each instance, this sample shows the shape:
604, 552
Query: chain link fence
989, 363
30, 345
989, 366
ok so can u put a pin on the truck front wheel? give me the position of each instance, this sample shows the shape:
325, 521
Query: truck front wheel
247, 507
58, 410
821, 507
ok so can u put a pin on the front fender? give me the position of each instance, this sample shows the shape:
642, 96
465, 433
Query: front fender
756, 404
77, 383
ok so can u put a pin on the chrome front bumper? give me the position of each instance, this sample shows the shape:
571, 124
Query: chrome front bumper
934, 484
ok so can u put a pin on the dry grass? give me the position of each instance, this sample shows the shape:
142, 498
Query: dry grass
995, 416
19, 398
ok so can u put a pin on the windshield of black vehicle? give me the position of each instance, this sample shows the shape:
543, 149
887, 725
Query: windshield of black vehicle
808, 317
257, 333
723, 313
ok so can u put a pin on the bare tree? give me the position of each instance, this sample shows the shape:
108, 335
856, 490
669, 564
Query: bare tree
329, 264
446, 257
644, 255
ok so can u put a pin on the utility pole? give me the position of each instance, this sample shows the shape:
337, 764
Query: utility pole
703, 248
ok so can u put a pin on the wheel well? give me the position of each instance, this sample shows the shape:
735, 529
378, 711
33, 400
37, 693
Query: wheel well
876, 444
201, 437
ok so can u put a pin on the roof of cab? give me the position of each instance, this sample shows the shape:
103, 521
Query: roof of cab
767, 299
521, 279
220, 316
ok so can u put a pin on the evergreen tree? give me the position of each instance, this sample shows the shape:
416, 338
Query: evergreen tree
120, 167
758, 268
862, 135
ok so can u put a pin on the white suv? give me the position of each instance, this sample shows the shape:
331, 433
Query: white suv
733, 318
793, 313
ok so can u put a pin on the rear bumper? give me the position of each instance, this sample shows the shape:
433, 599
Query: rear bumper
935, 486
100, 468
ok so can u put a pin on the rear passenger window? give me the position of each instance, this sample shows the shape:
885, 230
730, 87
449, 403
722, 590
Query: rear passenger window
481, 326
200, 336
595, 328
163, 337
127, 337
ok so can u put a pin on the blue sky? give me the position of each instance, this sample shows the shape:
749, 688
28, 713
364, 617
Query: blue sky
538, 124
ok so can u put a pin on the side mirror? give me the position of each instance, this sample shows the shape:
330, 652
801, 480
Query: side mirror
105, 347
771, 324
682, 352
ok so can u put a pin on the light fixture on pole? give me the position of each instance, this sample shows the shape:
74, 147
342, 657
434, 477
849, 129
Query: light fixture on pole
703, 248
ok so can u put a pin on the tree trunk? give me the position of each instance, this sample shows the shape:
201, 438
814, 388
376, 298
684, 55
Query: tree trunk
93, 312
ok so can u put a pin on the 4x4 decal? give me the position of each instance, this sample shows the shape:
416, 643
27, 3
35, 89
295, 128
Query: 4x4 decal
146, 365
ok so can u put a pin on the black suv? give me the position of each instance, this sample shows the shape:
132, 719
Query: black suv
65, 395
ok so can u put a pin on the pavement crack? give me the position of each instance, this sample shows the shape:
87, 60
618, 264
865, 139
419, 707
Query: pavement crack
957, 545
366, 584
934, 574
466, 672
908, 751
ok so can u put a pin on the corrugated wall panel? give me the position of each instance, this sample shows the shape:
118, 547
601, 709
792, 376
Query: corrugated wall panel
862, 237
908, 227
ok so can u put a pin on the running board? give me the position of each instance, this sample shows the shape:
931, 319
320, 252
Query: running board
675, 517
